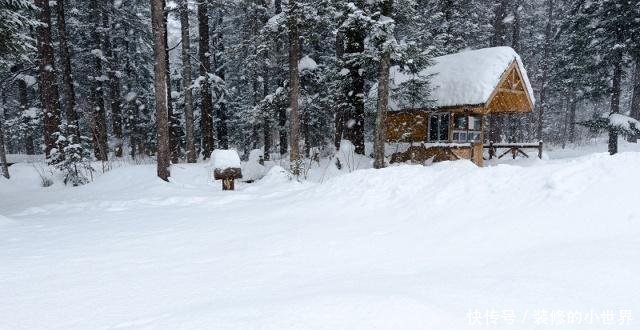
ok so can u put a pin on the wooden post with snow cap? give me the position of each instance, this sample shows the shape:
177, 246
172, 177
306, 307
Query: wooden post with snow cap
226, 167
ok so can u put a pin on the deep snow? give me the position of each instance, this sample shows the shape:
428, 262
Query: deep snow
407, 247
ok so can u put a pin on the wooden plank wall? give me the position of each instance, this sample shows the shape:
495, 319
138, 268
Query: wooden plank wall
406, 126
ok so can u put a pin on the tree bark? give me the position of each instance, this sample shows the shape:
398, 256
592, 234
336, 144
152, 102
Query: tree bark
73, 126
99, 118
3, 154
383, 97
187, 81
572, 118
340, 111
545, 69
616, 91
160, 85
294, 86
23, 98
282, 112
635, 99
174, 125
114, 81
48, 87
221, 110
206, 116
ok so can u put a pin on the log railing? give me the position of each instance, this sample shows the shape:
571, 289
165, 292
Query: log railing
514, 148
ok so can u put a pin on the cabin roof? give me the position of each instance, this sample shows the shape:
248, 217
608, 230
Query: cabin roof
468, 78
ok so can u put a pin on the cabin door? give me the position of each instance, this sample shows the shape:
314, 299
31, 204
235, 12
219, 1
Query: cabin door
439, 127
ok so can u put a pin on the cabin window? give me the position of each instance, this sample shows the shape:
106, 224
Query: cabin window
439, 127
466, 128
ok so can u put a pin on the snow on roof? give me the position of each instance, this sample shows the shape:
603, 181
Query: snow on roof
465, 78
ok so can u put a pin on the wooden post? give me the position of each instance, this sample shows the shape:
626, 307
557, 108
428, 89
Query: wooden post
540, 150
491, 150
228, 184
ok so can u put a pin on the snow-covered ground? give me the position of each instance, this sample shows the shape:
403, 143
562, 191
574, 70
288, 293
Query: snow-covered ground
526, 244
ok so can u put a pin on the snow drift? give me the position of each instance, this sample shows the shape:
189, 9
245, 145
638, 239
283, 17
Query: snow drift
407, 247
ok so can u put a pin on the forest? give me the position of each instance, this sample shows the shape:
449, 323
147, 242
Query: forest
86, 80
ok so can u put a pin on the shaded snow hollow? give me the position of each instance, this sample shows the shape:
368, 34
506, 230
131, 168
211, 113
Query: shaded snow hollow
465, 78
407, 247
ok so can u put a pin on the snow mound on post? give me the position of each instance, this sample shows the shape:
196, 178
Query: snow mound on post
465, 78
223, 159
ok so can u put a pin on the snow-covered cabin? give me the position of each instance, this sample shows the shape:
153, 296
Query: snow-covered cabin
465, 87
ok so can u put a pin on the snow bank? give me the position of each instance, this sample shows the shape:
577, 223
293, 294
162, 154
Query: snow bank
222, 159
407, 247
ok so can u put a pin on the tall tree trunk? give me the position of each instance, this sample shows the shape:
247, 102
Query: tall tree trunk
160, 85
616, 91
383, 97
73, 126
221, 110
206, 116
572, 118
187, 81
545, 69
3, 153
23, 97
174, 126
635, 99
267, 116
294, 86
114, 81
48, 87
99, 117
499, 25
282, 111
340, 111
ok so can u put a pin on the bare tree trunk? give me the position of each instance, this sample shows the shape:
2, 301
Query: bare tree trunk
3, 154
383, 97
23, 97
160, 85
267, 117
174, 125
221, 110
572, 118
187, 81
635, 99
48, 87
206, 116
114, 81
499, 26
340, 111
545, 69
73, 127
282, 112
99, 118
615, 93
294, 85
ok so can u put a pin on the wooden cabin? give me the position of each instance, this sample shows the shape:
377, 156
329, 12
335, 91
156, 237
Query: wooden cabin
465, 88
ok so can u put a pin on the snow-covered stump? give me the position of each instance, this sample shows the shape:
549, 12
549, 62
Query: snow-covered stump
226, 167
